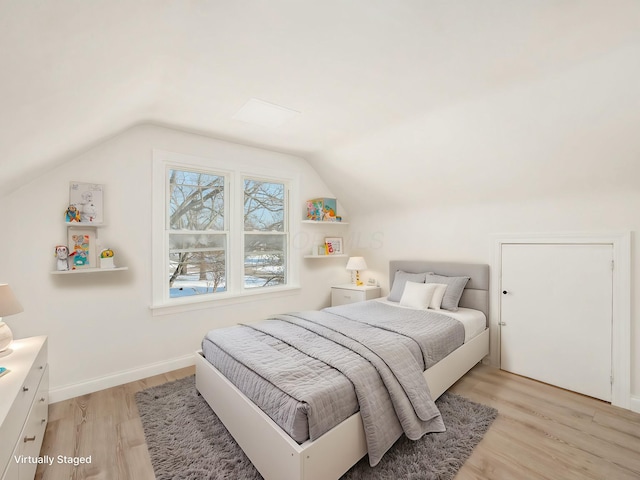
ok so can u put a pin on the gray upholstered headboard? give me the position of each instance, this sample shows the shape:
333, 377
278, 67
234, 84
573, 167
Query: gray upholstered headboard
476, 293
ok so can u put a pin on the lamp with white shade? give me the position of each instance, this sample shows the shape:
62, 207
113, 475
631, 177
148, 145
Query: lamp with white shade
356, 264
9, 305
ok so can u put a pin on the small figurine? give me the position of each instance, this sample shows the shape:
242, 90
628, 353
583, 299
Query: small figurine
62, 254
328, 215
72, 214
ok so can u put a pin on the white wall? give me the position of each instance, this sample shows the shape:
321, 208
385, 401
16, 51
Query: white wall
556, 154
101, 330
467, 233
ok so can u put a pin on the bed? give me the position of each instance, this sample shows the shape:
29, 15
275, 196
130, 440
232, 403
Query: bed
277, 455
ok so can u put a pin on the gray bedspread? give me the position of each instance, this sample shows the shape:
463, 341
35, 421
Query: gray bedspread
381, 349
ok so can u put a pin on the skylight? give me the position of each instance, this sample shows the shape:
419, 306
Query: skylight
265, 114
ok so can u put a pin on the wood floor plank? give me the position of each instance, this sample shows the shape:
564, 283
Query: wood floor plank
105, 425
541, 433
571, 428
553, 426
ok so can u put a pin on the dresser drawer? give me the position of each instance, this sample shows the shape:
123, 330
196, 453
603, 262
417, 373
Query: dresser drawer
29, 388
13, 469
21, 391
341, 296
348, 293
32, 434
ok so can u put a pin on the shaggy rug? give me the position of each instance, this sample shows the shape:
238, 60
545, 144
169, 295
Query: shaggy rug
188, 442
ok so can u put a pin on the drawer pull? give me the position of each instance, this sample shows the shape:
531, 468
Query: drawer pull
44, 420
29, 439
41, 367
25, 389
42, 399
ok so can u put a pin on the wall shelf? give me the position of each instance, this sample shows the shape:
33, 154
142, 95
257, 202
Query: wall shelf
95, 226
88, 270
84, 224
316, 222
326, 256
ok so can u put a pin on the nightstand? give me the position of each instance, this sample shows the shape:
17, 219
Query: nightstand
23, 407
349, 293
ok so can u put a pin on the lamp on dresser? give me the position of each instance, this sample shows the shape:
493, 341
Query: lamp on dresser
9, 305
356, 264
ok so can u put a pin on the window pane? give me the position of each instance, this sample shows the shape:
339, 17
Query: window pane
263, 206
192, 242
264, 260
196, 273
197, 264
196, 201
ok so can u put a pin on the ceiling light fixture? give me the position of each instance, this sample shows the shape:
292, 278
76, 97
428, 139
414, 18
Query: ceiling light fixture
265, 114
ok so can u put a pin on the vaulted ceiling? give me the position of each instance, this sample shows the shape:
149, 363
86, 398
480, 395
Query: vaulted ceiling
75, 72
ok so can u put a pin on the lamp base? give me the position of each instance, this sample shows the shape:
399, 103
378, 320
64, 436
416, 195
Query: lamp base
6, 337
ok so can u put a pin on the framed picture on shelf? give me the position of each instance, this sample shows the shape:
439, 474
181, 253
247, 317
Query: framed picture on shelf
333, 245
82, 248
87, 198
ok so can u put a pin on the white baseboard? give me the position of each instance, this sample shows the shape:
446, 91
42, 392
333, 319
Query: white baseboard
634, 405
59, 394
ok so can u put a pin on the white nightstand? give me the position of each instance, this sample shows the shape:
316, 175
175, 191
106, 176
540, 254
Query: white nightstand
24, 405
349, 293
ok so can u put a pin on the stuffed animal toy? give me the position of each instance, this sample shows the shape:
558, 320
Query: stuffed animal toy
62, 254
72, 214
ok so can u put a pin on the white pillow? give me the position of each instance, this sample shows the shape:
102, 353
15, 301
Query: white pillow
438, 295
417, 295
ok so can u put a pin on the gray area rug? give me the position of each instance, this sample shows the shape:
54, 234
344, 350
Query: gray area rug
188, 442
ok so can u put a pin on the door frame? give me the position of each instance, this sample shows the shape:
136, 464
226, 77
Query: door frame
621, 305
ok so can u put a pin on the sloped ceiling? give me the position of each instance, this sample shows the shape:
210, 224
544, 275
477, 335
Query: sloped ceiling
75, 72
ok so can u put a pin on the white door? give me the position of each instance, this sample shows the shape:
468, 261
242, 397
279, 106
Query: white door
556, 315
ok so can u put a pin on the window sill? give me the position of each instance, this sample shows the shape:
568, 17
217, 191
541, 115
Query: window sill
190, 304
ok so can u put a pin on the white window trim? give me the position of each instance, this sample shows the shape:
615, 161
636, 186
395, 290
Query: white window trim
161, 303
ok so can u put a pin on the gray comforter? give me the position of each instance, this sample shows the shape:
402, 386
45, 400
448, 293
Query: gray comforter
381, 349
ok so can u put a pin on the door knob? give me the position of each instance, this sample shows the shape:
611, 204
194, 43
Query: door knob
504, 292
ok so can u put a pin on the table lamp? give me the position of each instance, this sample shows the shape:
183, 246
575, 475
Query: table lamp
9, 305
357, 264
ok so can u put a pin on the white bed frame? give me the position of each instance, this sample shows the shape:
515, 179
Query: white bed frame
277, 456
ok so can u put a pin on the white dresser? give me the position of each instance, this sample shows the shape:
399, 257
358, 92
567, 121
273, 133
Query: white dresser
349, 293
24, 406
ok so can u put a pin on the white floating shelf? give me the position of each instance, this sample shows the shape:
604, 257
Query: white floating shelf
84, 224
316, 222
88, 270
325, 256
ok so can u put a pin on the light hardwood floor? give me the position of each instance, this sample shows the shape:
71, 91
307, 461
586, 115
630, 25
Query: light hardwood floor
541, 432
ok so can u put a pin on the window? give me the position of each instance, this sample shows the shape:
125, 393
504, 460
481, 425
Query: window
197, 233
265, 233
218, 233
